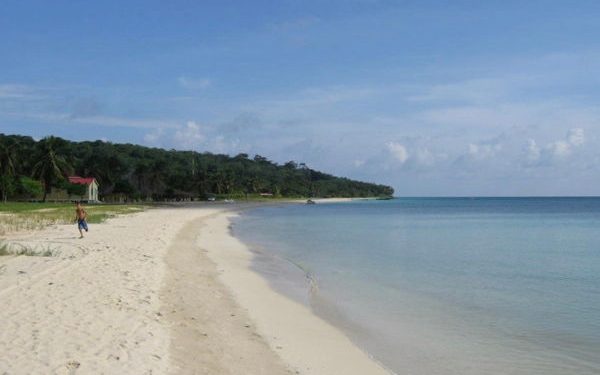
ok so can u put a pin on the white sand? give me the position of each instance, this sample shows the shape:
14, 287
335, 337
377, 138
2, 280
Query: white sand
305, 342
139, 295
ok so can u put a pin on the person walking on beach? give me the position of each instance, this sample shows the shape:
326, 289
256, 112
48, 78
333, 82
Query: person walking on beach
80, 216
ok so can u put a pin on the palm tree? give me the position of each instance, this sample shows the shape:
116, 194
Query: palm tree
7, 167
141, 172
51, 166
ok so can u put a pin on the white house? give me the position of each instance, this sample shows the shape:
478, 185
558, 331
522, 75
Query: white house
91, 184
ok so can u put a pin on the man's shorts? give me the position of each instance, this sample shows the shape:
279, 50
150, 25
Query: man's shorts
82, 225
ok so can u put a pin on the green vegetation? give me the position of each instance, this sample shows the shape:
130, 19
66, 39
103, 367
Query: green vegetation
50, 167
15, 216
140, 173
19, 249
7, 167
4, 249
29, 187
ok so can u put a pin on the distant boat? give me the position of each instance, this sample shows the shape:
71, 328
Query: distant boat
310, 201
384, 198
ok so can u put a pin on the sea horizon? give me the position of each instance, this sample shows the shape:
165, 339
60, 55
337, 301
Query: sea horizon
489, 196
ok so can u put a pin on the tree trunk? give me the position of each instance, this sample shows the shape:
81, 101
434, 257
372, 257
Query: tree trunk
45, 192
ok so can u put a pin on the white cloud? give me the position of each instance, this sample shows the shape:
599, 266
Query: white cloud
124, 122
560, 149
563, 148
557, 150
533, 151
189, 137
484, 151
576, 137
424, 157
105, 121
194, 83
222, 145
14, 91
398, 151
358, 163
154, 136
440, 128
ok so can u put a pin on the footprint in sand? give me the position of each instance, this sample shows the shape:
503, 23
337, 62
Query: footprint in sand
72, 366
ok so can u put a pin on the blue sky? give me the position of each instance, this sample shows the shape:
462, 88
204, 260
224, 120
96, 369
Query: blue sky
432, 97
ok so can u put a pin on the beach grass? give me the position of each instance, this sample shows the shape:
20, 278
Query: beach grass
20, 249
4, 250
17, 216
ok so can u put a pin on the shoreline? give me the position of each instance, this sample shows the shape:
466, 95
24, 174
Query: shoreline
306, 342
168, 290
210, 332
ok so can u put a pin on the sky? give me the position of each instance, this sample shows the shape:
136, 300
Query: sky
435, 98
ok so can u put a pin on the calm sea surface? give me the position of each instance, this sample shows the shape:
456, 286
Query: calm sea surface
445, 285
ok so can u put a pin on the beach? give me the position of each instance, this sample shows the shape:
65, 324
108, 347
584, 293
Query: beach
165, 291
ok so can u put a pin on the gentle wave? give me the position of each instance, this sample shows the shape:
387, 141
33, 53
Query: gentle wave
448, 286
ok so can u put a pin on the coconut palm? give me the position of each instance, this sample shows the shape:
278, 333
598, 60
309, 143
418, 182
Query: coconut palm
7, 167
50, 166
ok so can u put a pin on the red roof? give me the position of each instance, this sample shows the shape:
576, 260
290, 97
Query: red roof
81, 180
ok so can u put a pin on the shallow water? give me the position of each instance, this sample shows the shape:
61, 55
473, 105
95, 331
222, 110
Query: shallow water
445, 285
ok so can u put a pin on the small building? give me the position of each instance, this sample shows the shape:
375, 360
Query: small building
91, 184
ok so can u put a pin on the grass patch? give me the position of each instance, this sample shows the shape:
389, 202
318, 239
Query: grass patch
6, 249
15, 216
17, 207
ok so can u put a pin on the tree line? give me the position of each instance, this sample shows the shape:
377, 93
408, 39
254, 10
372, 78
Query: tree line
30, 168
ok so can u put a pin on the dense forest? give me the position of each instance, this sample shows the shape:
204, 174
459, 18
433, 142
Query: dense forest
31, 169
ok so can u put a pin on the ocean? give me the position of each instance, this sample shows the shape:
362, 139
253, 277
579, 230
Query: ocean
444, 285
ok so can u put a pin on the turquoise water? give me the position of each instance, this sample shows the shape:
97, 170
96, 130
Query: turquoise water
445, 285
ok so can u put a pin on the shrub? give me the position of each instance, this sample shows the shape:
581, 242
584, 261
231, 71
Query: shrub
30, 188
